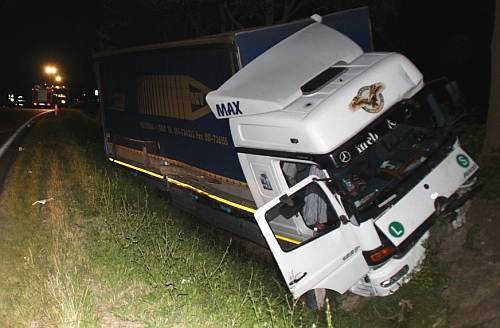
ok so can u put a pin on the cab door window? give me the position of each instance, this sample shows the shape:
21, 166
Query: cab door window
302, 217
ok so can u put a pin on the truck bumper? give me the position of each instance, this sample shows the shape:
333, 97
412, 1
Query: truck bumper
386, 279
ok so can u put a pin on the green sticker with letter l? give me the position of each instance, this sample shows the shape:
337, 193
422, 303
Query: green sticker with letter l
396, 229
463, 160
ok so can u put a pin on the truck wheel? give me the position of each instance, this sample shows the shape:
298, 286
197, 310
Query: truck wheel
315, 299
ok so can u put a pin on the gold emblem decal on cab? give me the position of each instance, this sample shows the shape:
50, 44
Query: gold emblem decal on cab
369, 98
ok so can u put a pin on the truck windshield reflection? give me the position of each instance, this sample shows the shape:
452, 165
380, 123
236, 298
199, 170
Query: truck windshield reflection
386, 153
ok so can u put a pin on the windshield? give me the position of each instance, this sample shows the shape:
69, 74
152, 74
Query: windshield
379, 158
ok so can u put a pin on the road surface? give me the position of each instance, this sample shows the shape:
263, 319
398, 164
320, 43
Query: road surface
11, 119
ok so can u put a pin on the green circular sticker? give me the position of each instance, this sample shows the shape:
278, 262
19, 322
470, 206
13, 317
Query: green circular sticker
463, 160
396, 229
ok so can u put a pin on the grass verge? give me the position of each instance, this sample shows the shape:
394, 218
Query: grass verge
106, 253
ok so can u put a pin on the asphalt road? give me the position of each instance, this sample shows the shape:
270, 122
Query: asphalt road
11, 119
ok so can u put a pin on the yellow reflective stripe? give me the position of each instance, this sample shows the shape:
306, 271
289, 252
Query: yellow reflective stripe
187, 186
288, 240
136, 168
217, 198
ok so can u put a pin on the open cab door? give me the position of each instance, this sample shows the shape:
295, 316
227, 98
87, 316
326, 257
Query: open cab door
312, 255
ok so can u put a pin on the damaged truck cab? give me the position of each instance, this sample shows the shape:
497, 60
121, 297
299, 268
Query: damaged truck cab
348, 158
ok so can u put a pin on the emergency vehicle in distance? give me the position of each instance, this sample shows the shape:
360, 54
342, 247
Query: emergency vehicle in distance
298, 137
49, 96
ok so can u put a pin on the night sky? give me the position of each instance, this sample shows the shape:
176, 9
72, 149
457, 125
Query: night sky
34, 34
441, 37
449, 38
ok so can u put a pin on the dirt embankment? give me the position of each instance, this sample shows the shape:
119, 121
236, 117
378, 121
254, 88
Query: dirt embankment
471, 255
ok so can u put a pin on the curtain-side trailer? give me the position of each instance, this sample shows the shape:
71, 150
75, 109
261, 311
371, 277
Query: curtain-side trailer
156, 119
297, 137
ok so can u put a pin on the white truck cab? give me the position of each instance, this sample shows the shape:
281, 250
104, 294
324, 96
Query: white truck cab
348, 157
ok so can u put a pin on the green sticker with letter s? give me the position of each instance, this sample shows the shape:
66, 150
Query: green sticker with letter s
396, 229
463, 160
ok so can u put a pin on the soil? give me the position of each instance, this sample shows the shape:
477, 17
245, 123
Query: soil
472, 259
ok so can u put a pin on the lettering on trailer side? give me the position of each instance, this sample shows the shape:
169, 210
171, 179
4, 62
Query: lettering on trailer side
231, 109
186, 133
176, 96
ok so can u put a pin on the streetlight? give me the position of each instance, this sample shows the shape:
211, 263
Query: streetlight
51, 70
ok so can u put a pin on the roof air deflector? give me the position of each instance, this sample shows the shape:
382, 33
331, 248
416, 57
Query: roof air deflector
322, 79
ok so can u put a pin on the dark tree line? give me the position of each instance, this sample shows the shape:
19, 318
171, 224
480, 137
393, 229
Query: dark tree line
125, 24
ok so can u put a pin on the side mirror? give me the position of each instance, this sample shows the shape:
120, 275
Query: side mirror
454, 94
457, 98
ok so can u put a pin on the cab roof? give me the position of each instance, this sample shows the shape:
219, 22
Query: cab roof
274, 80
